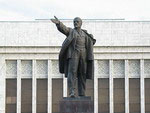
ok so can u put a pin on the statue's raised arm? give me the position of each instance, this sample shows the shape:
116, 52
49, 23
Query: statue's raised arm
60, 26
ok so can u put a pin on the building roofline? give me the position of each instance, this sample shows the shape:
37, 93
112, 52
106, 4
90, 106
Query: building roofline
100, 20
93, 20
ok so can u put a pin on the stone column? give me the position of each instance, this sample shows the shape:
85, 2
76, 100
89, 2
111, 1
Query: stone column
142, 90
111, 106
2, 85
64, 86
49, 107
18, 86
34, 87
126, 87
96, 87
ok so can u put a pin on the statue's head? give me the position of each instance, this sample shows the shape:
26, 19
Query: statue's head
77, 22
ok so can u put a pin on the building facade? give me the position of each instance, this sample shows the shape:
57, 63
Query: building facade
31, 83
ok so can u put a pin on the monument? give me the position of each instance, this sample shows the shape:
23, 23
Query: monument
76, 61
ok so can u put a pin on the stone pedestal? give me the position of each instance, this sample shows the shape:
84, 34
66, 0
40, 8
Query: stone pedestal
76, 105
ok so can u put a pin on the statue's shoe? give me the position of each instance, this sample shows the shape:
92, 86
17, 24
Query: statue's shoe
72, 95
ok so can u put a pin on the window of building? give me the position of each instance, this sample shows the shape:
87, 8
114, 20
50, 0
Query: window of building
119, 95
134, 95
26, 96
41, 96
147, 95
11, 94
103, 95
57, 94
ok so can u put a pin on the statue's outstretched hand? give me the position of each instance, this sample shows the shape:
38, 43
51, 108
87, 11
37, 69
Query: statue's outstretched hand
55, 20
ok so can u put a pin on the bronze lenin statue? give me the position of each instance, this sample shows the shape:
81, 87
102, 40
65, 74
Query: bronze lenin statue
76, 59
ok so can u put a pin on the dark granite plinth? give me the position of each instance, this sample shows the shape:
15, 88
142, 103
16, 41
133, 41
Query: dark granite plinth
76, 105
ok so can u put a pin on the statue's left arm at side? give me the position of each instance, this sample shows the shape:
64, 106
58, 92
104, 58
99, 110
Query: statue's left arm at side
60, 26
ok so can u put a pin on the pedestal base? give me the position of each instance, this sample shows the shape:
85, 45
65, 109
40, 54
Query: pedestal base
76, 105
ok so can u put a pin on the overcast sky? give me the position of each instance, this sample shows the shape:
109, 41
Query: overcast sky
14, 10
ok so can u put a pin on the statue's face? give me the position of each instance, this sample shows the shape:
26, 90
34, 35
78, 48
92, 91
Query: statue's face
77, 22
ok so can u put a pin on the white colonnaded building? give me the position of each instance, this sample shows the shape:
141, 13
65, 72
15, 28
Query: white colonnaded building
31, 83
